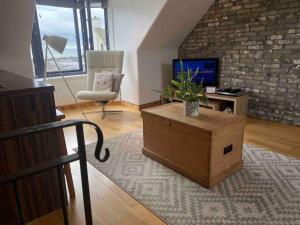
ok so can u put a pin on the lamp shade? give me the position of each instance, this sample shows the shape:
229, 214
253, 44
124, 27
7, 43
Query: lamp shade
56, 42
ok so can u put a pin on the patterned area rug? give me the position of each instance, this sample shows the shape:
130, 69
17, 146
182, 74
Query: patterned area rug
265, 192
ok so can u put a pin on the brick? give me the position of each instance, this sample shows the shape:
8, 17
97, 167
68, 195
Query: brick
271, 66
256, 47
277, 46
254, 5
282, 42
238, 7
213, 24
276, 37
261, 28
296, 46
226, 5
292, 31
248, 43
243, 11
263, 18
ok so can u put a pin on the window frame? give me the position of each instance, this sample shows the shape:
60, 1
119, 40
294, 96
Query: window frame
84, 18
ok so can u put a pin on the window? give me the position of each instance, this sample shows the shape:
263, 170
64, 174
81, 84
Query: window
60, 21
83, 26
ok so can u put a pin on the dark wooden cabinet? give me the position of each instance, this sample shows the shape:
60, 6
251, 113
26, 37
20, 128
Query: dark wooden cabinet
23, 103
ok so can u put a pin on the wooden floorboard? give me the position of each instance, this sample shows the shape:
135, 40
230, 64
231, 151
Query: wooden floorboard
113, 206
273, 136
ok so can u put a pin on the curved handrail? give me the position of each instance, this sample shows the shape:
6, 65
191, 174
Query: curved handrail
57, 125
100, 144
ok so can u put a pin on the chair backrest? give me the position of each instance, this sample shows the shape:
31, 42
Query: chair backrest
99, 61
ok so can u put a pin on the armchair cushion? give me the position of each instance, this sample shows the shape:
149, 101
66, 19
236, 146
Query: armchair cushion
117, 82
100, 96
103, 81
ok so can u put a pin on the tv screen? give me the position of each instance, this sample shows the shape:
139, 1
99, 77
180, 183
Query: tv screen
207, 70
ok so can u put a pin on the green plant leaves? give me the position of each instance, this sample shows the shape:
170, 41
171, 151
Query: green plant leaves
177, 84
184, 88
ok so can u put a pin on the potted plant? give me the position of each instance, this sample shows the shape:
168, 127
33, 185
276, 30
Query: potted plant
188, 91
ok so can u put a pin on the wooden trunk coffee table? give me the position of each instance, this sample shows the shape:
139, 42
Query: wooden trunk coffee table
206, 148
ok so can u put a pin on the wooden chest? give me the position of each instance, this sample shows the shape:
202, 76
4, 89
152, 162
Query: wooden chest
206, 148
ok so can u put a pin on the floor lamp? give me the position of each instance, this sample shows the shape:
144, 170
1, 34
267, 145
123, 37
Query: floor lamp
58, 44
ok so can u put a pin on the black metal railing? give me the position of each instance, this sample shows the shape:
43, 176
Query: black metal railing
58, 164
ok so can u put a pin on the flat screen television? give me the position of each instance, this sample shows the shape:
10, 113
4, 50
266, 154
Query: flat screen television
208, 70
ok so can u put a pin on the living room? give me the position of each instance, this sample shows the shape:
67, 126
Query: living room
200, 124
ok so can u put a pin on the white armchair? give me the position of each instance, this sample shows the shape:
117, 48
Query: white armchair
98, 62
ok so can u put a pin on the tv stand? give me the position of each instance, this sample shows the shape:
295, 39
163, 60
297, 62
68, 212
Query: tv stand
238, 105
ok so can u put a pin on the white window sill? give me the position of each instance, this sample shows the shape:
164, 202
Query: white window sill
60, 77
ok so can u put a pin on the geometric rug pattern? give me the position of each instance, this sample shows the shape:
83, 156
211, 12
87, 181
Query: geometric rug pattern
265, 192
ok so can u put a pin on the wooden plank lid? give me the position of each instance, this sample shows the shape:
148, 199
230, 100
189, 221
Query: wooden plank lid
14, 84
208, 120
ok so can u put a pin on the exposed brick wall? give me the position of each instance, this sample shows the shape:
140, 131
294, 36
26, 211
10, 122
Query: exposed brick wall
258, 42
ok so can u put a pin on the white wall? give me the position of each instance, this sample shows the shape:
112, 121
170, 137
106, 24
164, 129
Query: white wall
16, 19
161, 43
155, 71
129, 22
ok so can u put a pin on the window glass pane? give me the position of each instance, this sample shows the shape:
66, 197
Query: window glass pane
98, 25
59, 21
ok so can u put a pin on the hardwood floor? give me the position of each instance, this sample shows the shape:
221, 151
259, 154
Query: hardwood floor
111, 205
277, 137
